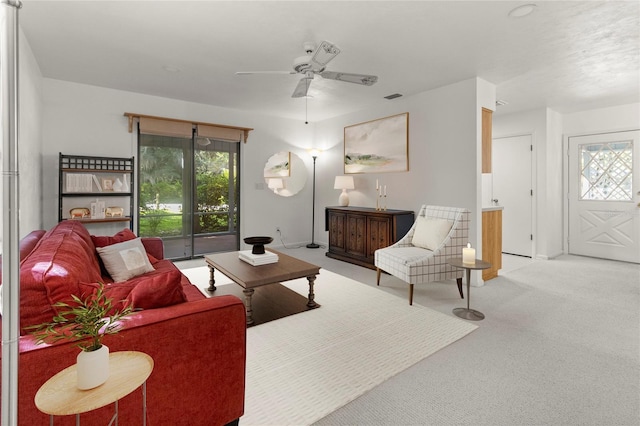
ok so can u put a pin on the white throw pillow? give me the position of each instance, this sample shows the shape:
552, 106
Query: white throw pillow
125, 260
430, 233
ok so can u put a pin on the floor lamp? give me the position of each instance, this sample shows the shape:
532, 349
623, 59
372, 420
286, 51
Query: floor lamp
314, 155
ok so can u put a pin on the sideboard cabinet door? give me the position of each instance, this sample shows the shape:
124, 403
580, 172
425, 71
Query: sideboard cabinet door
337, 229
356, 226
379, 234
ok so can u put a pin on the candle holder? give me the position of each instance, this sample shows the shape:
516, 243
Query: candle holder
384, 204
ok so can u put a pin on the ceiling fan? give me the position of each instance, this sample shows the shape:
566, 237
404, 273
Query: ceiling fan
315, 62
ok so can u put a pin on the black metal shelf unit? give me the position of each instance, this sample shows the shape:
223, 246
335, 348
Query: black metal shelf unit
83, 180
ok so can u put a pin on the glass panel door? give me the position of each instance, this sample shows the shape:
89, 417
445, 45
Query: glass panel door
216, 197
188, 194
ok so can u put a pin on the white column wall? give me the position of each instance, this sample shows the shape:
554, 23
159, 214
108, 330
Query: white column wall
29, 139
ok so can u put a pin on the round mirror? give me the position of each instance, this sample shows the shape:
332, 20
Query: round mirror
285, 173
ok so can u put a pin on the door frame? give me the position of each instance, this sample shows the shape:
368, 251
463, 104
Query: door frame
565, 172
534, 185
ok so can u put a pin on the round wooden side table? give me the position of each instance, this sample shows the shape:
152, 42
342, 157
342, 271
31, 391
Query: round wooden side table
128, 370
468, 313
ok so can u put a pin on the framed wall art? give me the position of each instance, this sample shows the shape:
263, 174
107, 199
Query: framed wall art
377, 146
278, 165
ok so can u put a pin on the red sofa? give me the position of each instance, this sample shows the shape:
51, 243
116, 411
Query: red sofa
198, 344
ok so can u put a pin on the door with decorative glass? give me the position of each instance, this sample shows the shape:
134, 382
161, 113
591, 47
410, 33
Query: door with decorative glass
604, 195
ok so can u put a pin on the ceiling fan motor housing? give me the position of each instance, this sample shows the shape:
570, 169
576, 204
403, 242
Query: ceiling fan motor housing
302, 64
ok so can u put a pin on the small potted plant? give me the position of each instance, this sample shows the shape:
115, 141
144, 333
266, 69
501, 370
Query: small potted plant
85, 321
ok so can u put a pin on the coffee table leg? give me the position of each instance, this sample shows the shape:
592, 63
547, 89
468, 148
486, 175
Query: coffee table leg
248, 292
311, 303
212, 281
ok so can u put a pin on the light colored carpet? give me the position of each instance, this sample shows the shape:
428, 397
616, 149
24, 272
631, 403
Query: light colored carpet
303, 367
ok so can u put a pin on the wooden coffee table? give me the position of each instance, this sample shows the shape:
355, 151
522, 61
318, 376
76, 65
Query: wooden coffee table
249, 277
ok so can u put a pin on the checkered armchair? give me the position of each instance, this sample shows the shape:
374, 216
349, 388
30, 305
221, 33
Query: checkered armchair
416, 265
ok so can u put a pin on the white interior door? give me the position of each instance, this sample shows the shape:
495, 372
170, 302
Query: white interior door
604, 195
512, 187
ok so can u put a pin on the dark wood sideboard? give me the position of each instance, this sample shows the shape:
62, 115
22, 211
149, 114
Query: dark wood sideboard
355, 233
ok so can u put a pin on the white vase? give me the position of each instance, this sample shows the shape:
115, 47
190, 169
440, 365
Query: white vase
92, 368
125, 184
117, 185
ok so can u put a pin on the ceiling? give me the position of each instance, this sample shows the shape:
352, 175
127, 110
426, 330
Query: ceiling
566, 55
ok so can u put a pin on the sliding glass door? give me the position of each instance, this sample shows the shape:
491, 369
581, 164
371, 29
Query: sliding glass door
189, 194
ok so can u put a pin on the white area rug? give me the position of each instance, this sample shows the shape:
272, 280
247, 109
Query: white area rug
303, 367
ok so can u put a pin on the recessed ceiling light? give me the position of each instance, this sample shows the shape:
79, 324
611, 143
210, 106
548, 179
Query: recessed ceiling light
522, 11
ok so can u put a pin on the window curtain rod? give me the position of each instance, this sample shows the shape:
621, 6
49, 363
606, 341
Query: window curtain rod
174, 126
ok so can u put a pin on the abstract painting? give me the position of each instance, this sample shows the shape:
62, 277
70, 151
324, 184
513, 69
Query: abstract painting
377, 146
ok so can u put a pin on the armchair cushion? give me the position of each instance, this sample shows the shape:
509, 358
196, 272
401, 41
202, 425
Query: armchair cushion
430, 233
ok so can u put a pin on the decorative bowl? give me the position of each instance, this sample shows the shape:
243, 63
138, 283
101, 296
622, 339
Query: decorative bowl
258, 243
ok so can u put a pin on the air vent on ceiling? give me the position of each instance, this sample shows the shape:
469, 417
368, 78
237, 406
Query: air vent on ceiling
395, 95
500, 102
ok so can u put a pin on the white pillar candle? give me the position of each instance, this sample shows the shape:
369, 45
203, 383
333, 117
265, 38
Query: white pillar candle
377, 185
468, 254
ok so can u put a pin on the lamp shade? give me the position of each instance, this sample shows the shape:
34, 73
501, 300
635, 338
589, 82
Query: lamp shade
275, 184
344, 182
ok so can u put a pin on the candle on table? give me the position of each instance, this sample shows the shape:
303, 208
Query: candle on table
377, 185
385, 190
468, 254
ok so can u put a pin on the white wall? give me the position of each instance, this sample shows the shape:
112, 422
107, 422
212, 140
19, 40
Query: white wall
622, 117
88, 120
542, 125
550, 130
444, 149
444, 132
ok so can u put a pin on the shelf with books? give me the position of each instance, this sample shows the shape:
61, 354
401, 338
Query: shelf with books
85, 182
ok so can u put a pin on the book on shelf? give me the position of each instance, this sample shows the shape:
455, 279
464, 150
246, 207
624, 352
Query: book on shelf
79, 182
98, 210
258, 259
95, 180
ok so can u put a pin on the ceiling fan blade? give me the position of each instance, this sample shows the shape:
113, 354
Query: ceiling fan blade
323, 55
367, 80
302, 88
264, 72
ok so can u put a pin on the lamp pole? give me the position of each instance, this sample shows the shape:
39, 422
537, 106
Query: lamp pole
313, 208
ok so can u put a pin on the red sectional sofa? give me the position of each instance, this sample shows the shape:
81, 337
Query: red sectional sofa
198, 344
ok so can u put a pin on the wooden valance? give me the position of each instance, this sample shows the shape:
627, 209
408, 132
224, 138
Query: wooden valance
150, 124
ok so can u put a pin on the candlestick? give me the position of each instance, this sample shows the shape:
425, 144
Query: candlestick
469, 254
